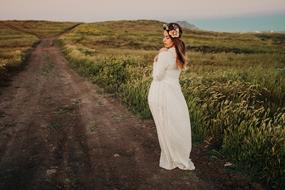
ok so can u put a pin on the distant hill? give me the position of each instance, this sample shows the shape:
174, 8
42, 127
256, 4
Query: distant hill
185, 24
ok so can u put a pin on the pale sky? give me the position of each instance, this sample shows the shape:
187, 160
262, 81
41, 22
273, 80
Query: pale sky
164, 10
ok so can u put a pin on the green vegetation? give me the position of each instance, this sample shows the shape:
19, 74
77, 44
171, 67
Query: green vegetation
41, 29
14, 46
17, 38
234, 85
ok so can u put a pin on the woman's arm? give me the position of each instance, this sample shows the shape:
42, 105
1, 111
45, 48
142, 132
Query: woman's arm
161, 65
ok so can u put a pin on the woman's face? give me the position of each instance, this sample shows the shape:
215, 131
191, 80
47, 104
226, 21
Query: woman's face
167, 41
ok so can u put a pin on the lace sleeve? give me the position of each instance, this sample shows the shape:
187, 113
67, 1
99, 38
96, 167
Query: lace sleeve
161, 65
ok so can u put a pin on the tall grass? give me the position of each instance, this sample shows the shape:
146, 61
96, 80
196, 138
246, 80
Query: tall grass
40, 29
14, 47
17, 38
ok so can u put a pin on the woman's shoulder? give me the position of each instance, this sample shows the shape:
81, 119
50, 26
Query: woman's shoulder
164, 55
167, 57
167, 52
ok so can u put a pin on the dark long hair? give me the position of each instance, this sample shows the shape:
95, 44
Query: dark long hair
179, 45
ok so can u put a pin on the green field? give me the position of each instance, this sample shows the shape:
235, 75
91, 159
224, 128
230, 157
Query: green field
17, 38
234, 85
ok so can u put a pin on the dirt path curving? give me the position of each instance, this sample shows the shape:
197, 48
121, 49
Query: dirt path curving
59, 131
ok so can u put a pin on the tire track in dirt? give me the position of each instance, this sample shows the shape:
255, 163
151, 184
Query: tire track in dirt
42, 143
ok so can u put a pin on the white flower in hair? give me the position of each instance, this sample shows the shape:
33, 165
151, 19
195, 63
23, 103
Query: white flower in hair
174, 33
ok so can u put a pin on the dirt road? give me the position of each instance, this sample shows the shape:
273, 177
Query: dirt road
59, 131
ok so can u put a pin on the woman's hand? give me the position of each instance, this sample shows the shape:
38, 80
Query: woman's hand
155, 58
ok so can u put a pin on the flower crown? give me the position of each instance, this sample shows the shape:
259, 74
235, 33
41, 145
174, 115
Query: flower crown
174, 31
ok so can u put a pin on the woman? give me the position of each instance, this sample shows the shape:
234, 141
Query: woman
167, 103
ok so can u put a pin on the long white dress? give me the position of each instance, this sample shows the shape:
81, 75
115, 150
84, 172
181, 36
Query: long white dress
170, 113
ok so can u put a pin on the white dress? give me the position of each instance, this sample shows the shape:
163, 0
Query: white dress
170, 113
